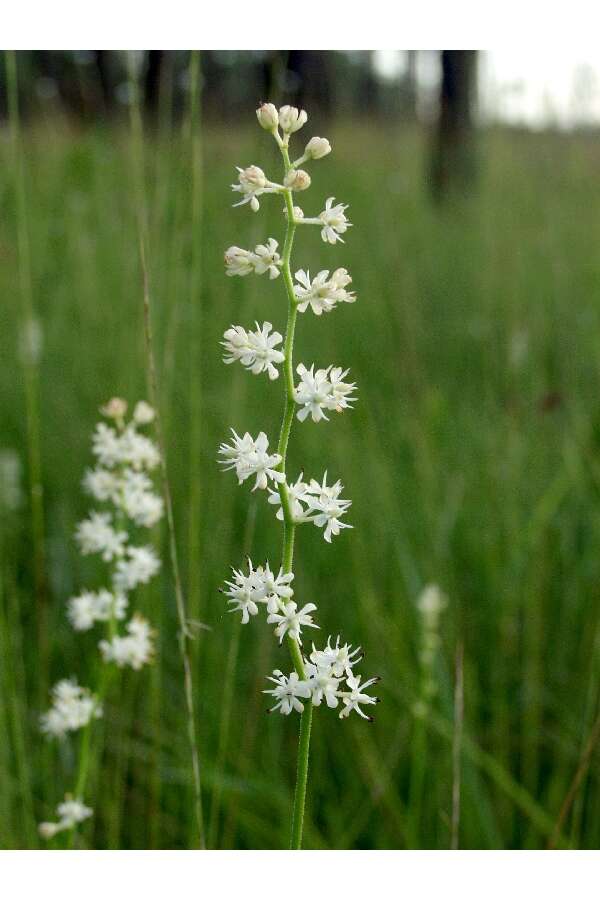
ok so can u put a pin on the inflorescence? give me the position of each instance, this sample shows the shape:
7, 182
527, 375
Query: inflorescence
325, 675
122, 482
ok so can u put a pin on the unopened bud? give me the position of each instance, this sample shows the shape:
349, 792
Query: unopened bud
291, 119
317, 147
268, 117
143, 413
297, 180
114, 409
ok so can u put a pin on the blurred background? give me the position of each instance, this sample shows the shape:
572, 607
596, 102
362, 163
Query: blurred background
472, 457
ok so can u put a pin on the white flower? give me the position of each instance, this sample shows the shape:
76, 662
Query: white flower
72, 708
101, 483
143, 413
325, 506
254, 349
96, 535
287, 690
291, 119
138, 501
356, 696
323, 684
90, 607
137, 450
139, 567
297, 180
273, 590
70, 813
291, 620
134, 649
338, 659
252, 182
268, 117
316, 148
249, 457
320, 390
266, 259
106, 445
322, 293
238, 261
243, 592
296, 493
334, 221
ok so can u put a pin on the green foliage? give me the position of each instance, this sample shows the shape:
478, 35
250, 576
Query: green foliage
471, 459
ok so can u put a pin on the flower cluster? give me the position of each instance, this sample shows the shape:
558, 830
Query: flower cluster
72, 708
320, 390
254, 349
325, 675
70, 813
121, 481
265, 258
328, 677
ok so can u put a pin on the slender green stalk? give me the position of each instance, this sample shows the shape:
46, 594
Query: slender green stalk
289, 527
30, 366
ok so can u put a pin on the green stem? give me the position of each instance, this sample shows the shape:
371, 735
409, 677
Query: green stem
289, 526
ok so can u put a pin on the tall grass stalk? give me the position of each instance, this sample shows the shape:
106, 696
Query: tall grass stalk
184, 635
29, 339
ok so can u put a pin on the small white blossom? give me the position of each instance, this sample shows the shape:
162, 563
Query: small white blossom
287, 690
140, 565
297, 180
70, 813
95, 606
325, 506
138, 501
353, 698
267, 259
143, 413
316, 148
96, 535
291, 119
249, 457
268, 117
101, 483
291, 620
254, 349
252, 182
338, 659
106, 445
72, 708
137, 450
296, 495
431, 604
135, 649
334, 221
238, 261
242, 593
322, 293
321, 390
323, 684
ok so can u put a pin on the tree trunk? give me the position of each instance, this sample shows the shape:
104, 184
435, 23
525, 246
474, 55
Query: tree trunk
454, 162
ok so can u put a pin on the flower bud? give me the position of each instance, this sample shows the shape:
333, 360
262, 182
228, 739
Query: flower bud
317, 147
291, 119
297, 180
268, 117
252, 177
114, 409
143, 413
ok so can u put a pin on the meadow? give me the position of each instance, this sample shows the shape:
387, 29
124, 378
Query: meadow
472, 459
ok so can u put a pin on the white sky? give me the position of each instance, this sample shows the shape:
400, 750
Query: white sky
530, 87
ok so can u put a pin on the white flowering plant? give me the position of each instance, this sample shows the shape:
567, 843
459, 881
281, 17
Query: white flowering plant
121, 482
324, 675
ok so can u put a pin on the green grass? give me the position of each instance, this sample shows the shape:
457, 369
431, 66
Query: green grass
472, 459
